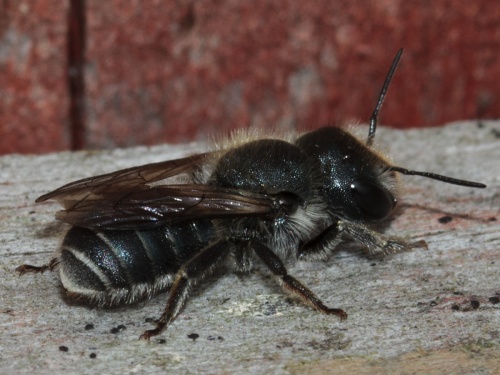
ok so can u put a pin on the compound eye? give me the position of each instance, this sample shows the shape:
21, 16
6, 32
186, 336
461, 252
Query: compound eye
375, 202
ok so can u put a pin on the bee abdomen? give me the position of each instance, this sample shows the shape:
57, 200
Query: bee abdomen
109, 268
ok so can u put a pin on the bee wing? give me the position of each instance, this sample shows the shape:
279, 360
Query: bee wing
135, 198
156, 206
125, 180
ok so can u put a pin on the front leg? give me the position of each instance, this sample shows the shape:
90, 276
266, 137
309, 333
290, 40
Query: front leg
323, 245
194, 269
291, 284
376, 243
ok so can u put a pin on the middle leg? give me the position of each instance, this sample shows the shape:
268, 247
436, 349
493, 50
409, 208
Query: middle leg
291, 284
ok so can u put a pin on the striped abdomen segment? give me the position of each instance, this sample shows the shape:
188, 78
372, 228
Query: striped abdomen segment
122, 267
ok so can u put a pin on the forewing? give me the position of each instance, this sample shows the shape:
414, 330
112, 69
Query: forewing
111, 185
166, 204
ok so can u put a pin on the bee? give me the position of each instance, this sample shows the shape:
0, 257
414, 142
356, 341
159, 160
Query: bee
138, 232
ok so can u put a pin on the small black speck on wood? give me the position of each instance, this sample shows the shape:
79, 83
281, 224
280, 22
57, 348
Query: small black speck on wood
445, 219
193, 336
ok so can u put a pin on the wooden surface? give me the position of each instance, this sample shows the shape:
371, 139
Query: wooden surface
408, 313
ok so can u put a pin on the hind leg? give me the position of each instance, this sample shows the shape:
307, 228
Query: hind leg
193, 270
28, 268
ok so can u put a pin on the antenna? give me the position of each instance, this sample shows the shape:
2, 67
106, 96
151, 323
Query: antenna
381, 97
438, 177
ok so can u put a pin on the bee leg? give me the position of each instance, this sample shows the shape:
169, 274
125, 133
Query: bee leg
194, 269
292, 285
28, 268
375, 242
323, 245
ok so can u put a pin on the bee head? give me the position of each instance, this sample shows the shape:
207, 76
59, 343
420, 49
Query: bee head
359, 183
356, 181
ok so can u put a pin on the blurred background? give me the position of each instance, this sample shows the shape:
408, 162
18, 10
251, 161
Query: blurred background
101, 74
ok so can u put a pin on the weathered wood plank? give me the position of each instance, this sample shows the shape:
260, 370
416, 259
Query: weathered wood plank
400, 308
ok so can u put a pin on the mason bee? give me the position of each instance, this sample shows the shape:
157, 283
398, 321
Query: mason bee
137, 232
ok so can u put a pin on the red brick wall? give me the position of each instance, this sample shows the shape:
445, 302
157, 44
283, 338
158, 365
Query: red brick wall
174, 71
33, 95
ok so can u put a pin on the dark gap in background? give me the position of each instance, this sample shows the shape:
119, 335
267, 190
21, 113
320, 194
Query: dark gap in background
76, 62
